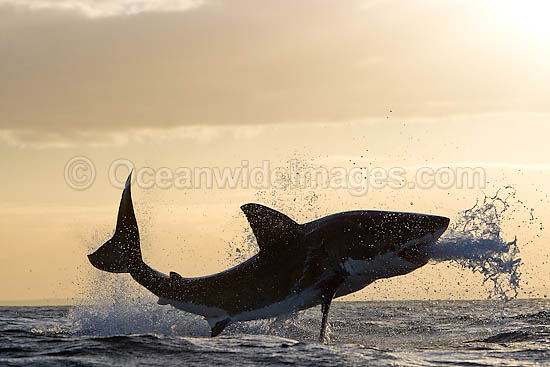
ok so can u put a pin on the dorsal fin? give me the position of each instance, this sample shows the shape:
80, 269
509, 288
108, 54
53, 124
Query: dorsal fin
273, 230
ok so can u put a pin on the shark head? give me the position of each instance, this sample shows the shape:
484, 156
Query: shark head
417, 231
364, 235
370, 245
404, 234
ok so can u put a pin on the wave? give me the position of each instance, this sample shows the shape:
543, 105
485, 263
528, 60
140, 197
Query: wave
542, 317
518, 336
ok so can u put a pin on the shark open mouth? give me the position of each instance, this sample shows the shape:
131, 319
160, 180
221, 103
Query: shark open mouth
416, 254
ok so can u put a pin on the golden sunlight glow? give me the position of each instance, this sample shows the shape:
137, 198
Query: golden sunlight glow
530, 16
221, 87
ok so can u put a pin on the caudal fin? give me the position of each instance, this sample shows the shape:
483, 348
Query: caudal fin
122, 252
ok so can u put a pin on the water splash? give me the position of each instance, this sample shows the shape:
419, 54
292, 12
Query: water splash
475, 242
116, 306
242, 248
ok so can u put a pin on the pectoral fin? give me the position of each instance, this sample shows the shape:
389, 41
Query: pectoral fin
324, 309
328, 290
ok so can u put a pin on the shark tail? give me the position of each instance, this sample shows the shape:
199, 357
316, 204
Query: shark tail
122, 253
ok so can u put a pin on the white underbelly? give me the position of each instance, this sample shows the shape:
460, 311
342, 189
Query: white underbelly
198, 309
304, 299
295, 302
363, 272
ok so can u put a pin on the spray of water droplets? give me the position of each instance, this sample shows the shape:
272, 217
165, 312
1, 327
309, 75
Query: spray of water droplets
474, 241
116, 305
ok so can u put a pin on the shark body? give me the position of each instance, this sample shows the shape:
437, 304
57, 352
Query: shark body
298, 266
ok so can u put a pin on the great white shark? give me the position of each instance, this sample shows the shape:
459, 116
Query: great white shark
298, 266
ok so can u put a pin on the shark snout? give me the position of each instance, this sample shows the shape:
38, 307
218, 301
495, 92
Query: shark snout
441, 224
428, 225
432, 228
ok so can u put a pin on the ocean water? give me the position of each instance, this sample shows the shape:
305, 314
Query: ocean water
125, 327
405, 333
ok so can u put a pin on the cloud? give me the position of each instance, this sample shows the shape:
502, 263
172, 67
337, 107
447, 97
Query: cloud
106, 8
250, 62
42, 138
487, 128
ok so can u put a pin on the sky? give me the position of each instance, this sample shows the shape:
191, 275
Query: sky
90, 88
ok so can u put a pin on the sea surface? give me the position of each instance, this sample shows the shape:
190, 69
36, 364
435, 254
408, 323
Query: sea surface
404, 333
124, 327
